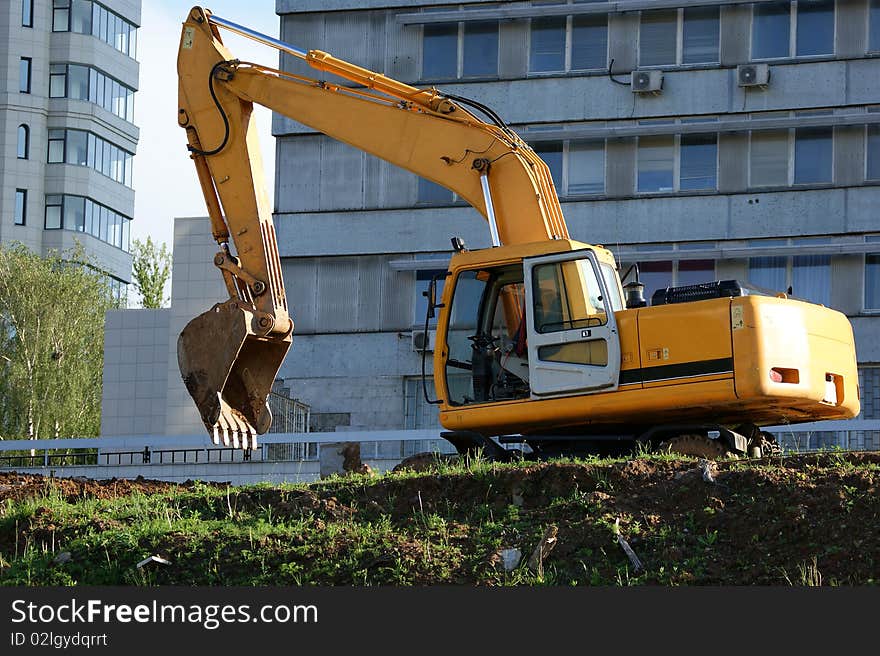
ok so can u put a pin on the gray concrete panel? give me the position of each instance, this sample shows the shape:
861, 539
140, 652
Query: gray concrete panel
849, 155
734, 35
733, 162
403, 50
846, 296
341, 178
513, 58
379, 231
851, 35
623, 42
867, 335
300, 284
620, 163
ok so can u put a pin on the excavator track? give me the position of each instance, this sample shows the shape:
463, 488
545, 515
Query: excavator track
699, 446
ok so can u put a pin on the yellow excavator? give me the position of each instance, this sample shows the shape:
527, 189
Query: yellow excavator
538, 341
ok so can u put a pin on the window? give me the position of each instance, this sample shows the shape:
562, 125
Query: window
21, 207
679, 36
699, 162
873, 152
809, 276
85, 83
586, 167
656, 163
687, 162
874, 27
84, 215
668, 273
813, 155
87, 17
60, 15
577, 167
793, 29
568, 43
24, 141
85, 149
810, 149
457, 50
54, 207
27, 13
24, 75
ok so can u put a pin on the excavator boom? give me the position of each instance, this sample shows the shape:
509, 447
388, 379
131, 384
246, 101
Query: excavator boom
230, 355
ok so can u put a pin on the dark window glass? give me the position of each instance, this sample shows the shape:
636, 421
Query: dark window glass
24, 75
657, 37
24, 142
589, 42
656, 163
694, 272
768, 272
874, 26
547, 52
56, 146
813, 155
699, 161
20, 207
78, 82
61, 16
770, 30
872, 281
53, 212
27, 13
873, 146
81, 17
77, 147
811, 278
480, 49
815, 28
440, 51
700, 37
57, 81
74, 213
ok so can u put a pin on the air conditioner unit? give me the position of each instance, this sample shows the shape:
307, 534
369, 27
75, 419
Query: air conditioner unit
647, 81
423, 341
753, 75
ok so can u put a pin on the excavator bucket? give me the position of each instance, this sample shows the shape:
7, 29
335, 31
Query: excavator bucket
229, 370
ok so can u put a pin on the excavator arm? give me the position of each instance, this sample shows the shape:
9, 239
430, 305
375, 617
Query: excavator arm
230, 355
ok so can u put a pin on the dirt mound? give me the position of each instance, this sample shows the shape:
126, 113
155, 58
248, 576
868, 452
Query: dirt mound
798, 520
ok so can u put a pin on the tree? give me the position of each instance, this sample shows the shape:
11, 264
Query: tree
51, 343
150, 270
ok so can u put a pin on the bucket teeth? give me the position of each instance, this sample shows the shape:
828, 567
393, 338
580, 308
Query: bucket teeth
229, 371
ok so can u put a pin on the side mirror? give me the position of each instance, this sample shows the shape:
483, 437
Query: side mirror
431, 295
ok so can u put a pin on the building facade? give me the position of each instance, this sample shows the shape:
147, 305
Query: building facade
746, 146
702, 140
67, 128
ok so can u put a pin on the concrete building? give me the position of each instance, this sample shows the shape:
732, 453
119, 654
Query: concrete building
703, 139
67, 127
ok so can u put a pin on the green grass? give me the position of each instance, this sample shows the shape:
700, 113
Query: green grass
806, 522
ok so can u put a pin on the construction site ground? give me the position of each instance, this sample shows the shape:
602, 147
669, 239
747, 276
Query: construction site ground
808, 519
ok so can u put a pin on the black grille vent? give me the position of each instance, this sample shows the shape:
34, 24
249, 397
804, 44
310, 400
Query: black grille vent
702, 292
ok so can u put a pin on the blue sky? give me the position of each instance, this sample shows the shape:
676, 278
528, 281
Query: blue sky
164, 177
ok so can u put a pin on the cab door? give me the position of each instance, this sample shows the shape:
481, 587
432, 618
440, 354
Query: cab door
573, 343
